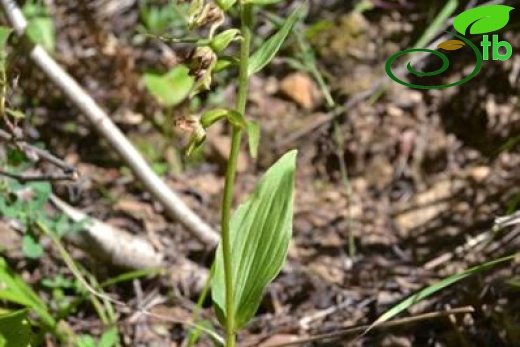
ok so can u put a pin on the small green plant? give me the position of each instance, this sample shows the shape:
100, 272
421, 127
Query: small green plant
159, 20
255, 239
23, 196
41, 27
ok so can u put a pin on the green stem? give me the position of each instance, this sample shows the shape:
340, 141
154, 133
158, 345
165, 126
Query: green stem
236, 136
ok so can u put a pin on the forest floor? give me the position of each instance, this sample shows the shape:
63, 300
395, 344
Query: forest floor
428, 172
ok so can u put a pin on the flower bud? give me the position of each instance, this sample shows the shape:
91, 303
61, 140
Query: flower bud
191, 125
201, 58
222, 40
205, 14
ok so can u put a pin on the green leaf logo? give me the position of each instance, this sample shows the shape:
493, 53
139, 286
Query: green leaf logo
483, 19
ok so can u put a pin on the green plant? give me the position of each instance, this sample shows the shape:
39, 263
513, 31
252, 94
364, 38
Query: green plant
40, 28
14, 329
256, 237
109, 338
23, 199
159, 20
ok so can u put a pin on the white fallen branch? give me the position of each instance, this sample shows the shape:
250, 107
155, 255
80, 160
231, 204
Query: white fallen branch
175, 207
117, 247
107, 243
505, 221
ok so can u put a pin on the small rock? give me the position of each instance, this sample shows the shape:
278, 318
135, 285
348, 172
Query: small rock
480, 173
300, 88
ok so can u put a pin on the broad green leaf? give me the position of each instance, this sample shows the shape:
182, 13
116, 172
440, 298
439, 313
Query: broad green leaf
109, 338
483, 19
269, 48
15, 330
41, 30
171, 88
260, 231
31, 248
426, 292
253, 136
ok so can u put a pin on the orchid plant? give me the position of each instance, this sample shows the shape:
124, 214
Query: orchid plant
255, 238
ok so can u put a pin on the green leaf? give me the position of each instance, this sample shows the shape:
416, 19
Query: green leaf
224, 39
260, 231
225, 62
16, 157
14, 329
31, 248
211, 117
42, 191
4, 36
253, 136
86, 341
109, 338
262, 2
13, 289
268, 50
225, 4
15, 114
41, 30
196, 333
171, 88
426, 292
5, 32
483, 19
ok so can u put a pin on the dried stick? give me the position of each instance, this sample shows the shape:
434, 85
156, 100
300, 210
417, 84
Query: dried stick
69, 172
107, 243
104, 125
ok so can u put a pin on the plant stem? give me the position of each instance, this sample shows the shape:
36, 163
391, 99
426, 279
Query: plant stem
236, 136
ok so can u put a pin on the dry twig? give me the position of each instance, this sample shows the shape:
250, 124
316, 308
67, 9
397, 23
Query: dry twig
35, 153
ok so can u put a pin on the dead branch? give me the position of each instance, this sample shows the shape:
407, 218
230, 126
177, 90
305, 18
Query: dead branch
35, 154
119, 248
108, 244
